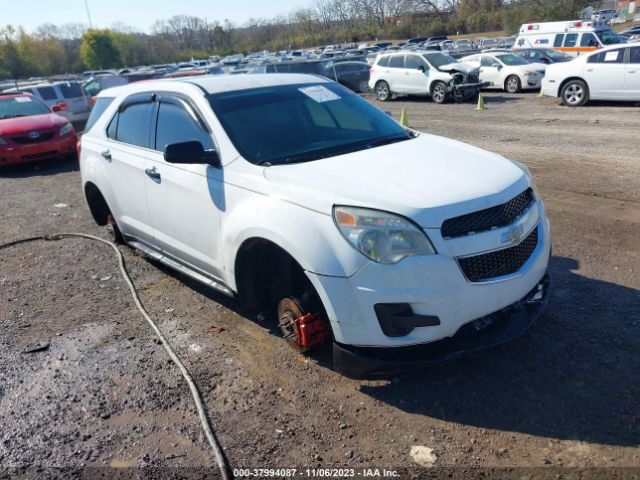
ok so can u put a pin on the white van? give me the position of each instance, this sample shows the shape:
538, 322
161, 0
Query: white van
574, 37
605, 15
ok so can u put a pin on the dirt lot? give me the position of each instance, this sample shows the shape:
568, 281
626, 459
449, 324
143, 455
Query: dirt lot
563, 398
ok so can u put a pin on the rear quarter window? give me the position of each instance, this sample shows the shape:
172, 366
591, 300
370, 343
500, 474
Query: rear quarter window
384, 61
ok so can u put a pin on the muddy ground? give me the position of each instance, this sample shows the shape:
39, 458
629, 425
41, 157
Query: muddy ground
103, 399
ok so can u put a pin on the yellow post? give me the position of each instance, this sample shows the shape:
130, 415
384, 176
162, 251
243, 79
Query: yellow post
403, 118
480, 102
541, 94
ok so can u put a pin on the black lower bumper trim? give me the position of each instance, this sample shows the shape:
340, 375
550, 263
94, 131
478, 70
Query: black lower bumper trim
494, 329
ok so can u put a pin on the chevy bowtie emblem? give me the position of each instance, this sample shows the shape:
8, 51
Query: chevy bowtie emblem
514, 235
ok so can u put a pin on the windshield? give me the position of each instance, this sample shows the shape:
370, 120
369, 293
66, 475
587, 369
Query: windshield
22, 106
511, 59
439, 59
297, 123
556, 54
608, 37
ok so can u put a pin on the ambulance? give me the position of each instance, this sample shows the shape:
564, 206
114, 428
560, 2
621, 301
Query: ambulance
574, 37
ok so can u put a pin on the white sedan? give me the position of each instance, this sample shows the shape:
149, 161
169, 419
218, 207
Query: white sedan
611, 73
508, 72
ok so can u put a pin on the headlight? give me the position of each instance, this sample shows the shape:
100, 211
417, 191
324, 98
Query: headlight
527, 172
383, 237
66, 129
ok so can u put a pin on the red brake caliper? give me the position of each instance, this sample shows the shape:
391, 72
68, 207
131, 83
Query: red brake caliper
303, 330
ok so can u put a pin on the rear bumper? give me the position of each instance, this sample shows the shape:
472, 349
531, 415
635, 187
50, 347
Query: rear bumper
17, 155
480, 334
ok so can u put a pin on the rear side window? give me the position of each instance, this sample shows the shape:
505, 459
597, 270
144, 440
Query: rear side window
176, 124
47, 93
97, 110
384, 61
70, 90
132, 125
634, 55
559, 39
396, 61
611, 56
571, 39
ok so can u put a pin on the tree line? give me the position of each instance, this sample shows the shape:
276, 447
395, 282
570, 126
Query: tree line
52, 49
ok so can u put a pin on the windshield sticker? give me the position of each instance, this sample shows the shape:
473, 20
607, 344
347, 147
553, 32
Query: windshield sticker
22, 99
319, 93
611, 56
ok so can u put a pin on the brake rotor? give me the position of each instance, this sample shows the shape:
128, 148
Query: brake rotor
289, 309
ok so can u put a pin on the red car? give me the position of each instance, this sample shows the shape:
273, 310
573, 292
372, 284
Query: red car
29, 131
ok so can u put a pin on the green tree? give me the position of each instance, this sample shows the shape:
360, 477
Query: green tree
98, 49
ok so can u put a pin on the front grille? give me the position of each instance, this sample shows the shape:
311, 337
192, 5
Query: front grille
27, 140
501, 262
494, 217
37, 156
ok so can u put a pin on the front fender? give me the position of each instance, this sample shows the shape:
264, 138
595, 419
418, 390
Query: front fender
310, 237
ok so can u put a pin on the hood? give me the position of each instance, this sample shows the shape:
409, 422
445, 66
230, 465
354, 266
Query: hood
11, 126
461, 67
427, 179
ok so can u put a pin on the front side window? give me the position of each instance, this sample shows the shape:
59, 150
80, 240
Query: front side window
297, 123
588, 40
634, 55
559, 39
132, 125
178, 124
413, 62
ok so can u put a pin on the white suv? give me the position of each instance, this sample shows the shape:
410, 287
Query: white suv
423, 72
400, 248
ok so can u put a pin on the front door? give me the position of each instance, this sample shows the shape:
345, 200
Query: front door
416, 73
184, 200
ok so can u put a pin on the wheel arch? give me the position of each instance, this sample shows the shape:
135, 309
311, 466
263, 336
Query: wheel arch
98, 205
567, 80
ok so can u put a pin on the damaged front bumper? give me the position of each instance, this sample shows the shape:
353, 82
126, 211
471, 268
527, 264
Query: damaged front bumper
489, 331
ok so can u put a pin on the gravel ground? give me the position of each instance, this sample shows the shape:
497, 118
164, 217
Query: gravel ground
102, 399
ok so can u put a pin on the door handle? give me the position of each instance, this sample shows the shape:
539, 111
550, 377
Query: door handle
631, 71
152, 173
106, 155
589, 69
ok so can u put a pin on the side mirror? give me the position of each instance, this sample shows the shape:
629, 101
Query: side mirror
190, 153
496, 65
422, 68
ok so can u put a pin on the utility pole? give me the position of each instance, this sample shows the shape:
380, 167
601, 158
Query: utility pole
86, 4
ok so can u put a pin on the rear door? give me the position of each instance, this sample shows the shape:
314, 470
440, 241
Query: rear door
632, 74
184, 200
604, 73
395, 75
127, 147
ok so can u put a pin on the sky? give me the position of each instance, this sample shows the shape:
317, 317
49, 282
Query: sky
139, 14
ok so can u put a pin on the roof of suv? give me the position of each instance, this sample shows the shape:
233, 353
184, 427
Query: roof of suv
220, 83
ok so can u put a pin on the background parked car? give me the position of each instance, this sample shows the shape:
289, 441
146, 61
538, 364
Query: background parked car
30, 131
542, 55
611, 73
353, 75
423, 73
95, 85
507, 72
68, 96
604, 15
